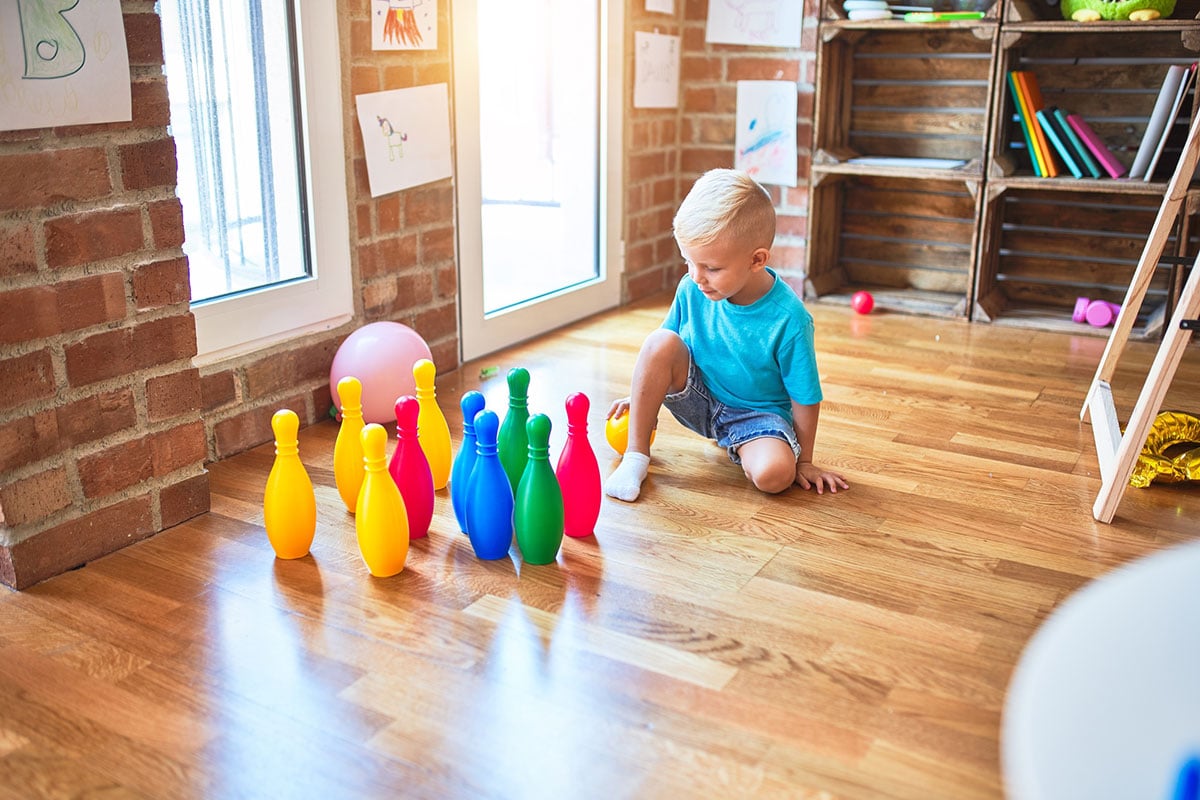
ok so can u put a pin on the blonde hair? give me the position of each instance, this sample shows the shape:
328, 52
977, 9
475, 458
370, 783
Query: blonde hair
725, 202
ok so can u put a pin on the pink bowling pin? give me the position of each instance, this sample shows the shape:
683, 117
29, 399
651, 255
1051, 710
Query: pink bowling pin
578, 473
410, 469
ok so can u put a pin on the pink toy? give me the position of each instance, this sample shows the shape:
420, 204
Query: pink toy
1080, 312
381, 355
1097, 313
862, 302
578, 472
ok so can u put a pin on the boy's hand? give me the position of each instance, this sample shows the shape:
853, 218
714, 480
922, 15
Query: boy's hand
809, 475
618, 409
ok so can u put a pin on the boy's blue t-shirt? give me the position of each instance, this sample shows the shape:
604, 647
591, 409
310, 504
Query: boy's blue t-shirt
759, 356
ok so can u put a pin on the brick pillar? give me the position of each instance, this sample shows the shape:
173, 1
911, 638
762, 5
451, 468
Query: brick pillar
101, 441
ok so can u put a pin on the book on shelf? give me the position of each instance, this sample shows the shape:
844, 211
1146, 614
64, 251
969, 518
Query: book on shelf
1105, 157
1027, 83
1084, 156
908, 162
1158, 120
1023, 119
1184, 85
1046, 120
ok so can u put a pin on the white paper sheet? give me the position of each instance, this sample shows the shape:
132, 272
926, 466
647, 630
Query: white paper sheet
655, 70
765, 140
406, 136
769, 23
62, 67
661, 6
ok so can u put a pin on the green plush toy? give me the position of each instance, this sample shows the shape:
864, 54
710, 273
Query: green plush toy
1136, 10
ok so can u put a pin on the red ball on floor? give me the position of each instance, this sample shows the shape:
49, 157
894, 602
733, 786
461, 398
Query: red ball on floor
862, 302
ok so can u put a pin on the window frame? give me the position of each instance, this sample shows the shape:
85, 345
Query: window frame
232, 326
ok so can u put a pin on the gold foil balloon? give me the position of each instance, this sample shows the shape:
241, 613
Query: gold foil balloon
1161, 459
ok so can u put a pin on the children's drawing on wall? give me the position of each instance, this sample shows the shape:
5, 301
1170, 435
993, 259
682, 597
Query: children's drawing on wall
655, 70
765, 139
62, 62
769, 23
395, 139
406, 136
404, 25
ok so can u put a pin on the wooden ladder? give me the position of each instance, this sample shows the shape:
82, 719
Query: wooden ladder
1118, 453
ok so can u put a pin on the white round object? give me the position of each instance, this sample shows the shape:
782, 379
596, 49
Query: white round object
1105, 701
869, 13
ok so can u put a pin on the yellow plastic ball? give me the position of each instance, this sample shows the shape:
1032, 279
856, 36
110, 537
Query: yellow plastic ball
616, 431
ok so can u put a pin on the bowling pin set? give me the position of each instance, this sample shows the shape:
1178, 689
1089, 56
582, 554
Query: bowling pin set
501, 483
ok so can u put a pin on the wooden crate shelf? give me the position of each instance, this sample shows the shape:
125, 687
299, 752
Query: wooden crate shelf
908, 241
905, 91
1043, 249
833, 11
1108, 76
988, 240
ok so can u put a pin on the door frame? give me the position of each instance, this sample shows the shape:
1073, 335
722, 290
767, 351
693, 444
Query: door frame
482, 334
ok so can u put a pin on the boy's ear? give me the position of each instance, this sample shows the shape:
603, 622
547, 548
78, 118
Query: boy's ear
760, 258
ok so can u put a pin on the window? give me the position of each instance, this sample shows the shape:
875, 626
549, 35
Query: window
256, 113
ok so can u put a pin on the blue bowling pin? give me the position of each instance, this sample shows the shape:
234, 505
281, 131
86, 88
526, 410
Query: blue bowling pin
489, 495
472, 403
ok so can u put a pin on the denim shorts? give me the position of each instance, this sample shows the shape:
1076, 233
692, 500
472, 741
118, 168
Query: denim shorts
731, 428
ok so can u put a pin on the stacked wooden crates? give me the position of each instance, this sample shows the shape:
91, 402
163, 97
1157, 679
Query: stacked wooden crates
987, 240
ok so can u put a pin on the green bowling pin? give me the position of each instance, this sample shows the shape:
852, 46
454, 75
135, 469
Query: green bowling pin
513, 441
538, 510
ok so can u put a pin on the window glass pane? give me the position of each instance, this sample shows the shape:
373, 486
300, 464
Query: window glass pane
232, 83
539, 163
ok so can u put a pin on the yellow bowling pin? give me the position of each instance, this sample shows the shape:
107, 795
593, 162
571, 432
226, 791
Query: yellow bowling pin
289, 504
347, 450
380, 518
432, 431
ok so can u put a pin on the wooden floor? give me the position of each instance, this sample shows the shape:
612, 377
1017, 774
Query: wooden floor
709, 641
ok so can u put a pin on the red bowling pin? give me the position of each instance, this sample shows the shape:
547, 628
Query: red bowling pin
578, 473
410, 468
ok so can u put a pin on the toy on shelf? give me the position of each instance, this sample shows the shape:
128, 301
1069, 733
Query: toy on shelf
1135, 10
1097, 313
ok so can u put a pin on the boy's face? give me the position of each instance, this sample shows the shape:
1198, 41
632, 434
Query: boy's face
726, 269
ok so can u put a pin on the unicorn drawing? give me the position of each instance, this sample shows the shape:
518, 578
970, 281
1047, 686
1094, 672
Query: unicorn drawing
395, 139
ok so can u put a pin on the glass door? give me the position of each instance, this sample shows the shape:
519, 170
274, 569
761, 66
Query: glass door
537, 127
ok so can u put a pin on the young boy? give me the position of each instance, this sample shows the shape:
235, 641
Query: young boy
734, 359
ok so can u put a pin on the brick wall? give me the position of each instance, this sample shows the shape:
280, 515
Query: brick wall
100, 439
105, 424
708, 105
651, 172
402, 261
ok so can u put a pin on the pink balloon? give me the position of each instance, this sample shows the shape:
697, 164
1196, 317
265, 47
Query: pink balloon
381, 355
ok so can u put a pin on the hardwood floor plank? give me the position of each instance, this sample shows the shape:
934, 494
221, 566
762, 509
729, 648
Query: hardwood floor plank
610, 644
98, 700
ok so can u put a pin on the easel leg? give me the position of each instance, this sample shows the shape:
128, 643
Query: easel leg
1174, 197
1158, 381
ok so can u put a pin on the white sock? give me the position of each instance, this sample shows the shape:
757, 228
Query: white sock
625, 483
